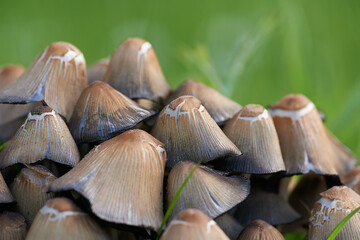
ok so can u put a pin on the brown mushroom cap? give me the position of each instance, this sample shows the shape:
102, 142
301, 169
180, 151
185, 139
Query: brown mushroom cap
102, 112
219, 107
131, 163
305, 143
352, 179
60, 218
5, 195
190, 134
253, 131
12, 226
30, 190
44, 135
207, 190
335, 204
135, 71
96, 71
260, 229
9, 74
193, 224
57, 76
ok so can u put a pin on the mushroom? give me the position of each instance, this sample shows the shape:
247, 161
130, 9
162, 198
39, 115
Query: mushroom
219, 107
135, 71
60, 219
260, 229
30, 190
229, 225
12, 226
122, 178
193, 224
207, 190
5, 195
102, 112
306, 144
44, 135
96, 71
266, 206
190, 134
9, 74
352, 179
335, 204
253, 131
57, 77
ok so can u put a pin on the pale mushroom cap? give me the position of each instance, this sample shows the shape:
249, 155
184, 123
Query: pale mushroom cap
193, 224
9, 74
260, 230
96, 71
12, 226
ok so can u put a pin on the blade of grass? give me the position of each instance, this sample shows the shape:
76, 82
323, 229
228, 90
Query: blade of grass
4, 145
338, 228
172, 204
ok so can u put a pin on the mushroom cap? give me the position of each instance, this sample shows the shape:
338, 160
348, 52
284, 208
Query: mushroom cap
190, 134
5, 195
219, 107
229, 225
96, 71
135, 71
305, 143
335, 204
102, 112
12, 226
9, 74
44, 135
193, 224
131, 163
60, 218
57, 76
30, 190
352, 179
207, 190
260, 229
253, 131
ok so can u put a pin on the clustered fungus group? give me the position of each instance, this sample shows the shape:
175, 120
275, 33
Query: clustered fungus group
101, 153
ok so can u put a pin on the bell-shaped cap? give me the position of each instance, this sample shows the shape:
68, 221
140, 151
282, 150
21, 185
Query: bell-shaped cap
229, 225
122, 178
352, 179
304, 140
219, 107
135, 71
207, 190
260, 229
193, 224
9, 73
12, 226
190, 134
30, 190
57, 77
5, 195
96, 71
44, 135
266, 206
102, 112
60, 219
335, 204
253, 131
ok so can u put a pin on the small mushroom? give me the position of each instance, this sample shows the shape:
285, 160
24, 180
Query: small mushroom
122, 178
335, 204
12, 226
5, 194
60, 219
260, 229
57, 76
352, 179
190, 134
102, 112
229, 225
266, 206
96, 71
253, 131
306, 144
134, 70
207, 190
193, 224
44, 135
219, 107
9, 74
30, 190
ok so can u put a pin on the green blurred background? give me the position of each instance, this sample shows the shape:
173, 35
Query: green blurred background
252, 51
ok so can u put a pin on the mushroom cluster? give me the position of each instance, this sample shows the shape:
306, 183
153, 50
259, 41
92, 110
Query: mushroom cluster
104, 152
